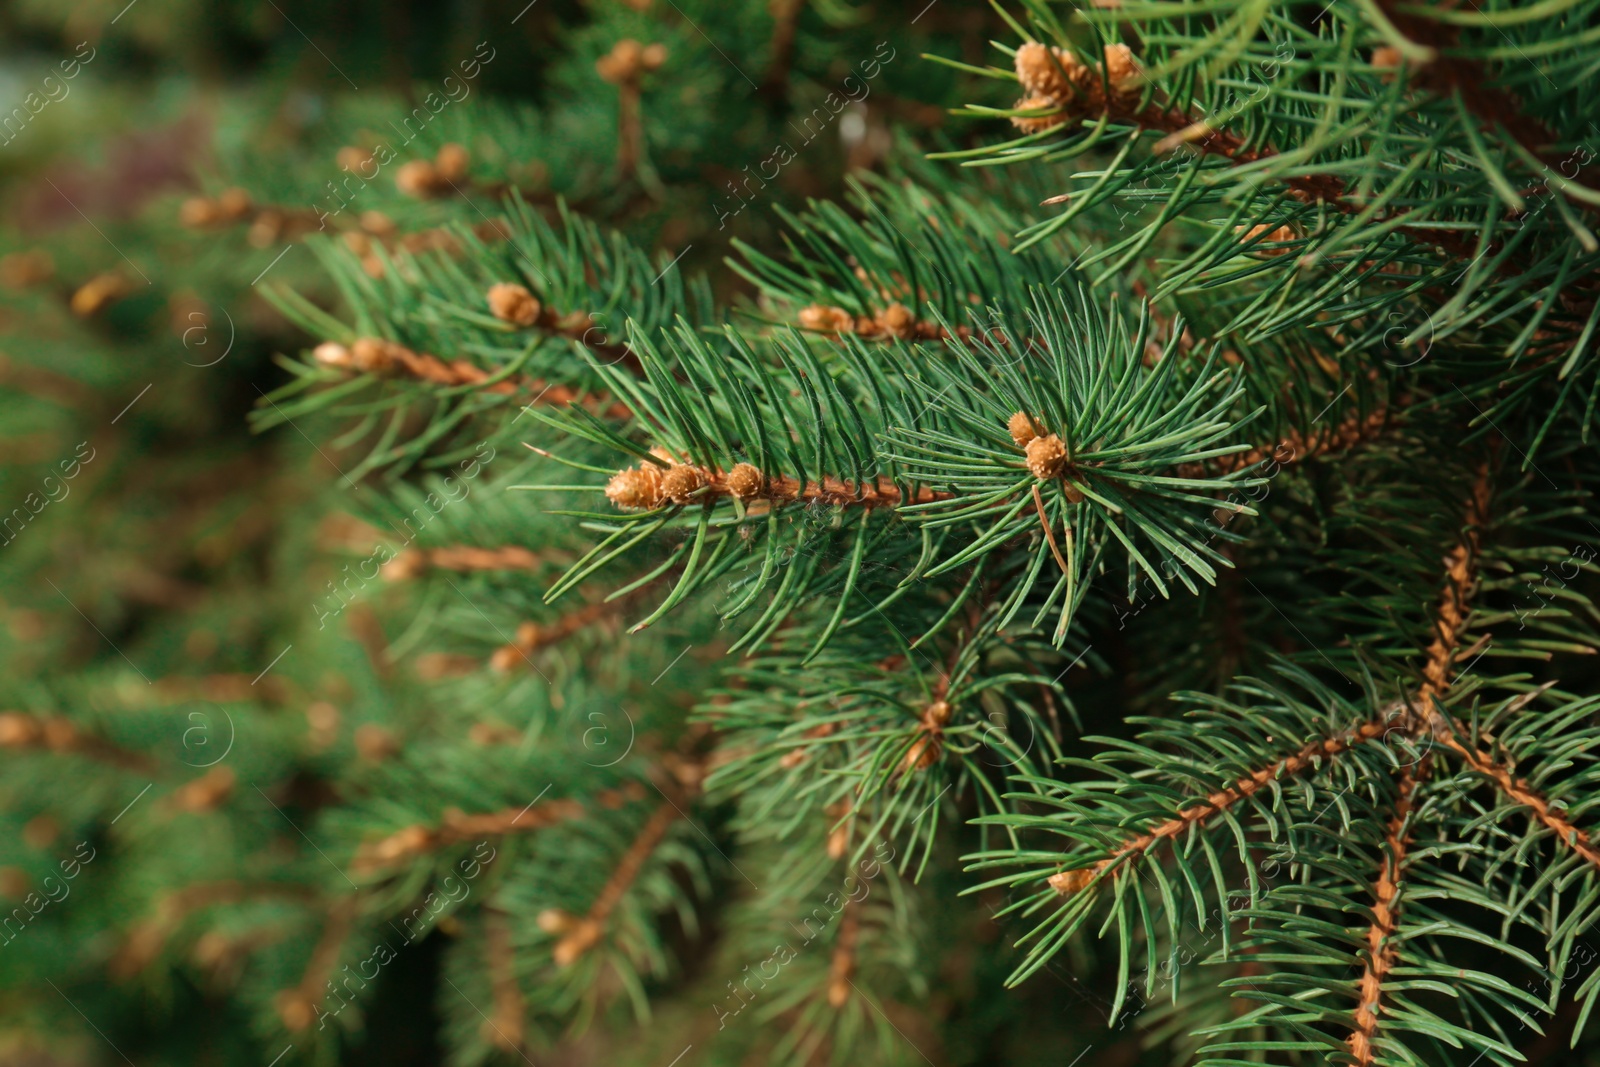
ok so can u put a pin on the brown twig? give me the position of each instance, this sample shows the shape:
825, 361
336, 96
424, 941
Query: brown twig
385, 358
842, 968
462, 559
1382, 955
457, 827
1066, 882
578, 936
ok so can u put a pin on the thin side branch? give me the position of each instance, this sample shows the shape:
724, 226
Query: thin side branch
1382, 955
580, 935
1067, 882
458, 827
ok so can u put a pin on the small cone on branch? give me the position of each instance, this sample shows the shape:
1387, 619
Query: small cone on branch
680, 483
1046, 457
745, 481
1021, 429
512, 303
637, 488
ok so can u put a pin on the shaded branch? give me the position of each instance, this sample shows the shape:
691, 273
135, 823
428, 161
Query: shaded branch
1382, 954
457, 827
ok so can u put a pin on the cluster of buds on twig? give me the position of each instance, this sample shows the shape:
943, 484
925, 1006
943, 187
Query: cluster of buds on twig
1055, 80
1046, 455
426, 179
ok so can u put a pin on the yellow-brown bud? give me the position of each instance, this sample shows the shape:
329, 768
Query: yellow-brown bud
199, 211
636, 488
826, 319
1021, 428
451, 162
94, 294
371, 355
1046, 456
512, 303
1047, 72
418, 178
745, 481
896, 320
1067, 882
332, 354
680, 482
234, 203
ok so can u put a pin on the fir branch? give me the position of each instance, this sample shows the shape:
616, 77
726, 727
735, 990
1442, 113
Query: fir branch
1382, 953
1312, 754
146, 939
388, 359
1498, 111
297, 1007
1064, 91
1298, 446
658, 483
842, 967
532, 637
464, 559
578, 936
457, 827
